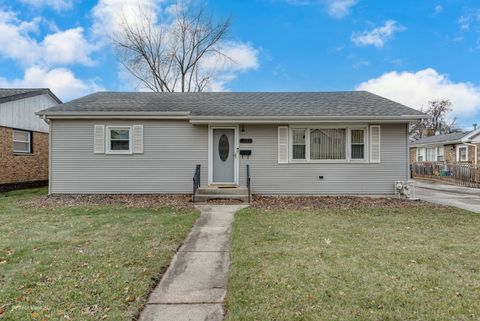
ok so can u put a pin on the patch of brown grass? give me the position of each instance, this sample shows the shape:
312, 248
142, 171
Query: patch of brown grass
123, 200
317, 202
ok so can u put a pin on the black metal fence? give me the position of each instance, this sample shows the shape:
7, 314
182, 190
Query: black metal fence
463, 174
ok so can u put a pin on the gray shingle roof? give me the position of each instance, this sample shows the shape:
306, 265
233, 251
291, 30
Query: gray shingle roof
439, 139
230, 104
10, 94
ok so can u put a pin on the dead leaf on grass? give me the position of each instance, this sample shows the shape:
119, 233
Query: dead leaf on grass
130, 298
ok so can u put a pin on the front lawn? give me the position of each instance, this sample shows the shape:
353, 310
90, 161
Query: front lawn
93, 262
358, 263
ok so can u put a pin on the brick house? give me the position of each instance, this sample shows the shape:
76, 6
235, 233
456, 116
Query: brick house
460, 147
24, 137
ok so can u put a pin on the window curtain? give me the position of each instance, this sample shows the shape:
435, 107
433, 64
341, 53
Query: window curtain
327, 144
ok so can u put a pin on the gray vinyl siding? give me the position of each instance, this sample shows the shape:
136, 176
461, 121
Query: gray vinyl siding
173, 148
269, 177
21, 113
171, 151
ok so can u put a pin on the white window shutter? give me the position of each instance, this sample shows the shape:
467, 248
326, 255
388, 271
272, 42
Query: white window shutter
282, 144
99, 139
375, 143
137, 139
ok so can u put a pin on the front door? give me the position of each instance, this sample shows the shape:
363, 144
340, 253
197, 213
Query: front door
223, 155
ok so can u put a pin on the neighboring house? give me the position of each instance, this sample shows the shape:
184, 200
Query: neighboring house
460, 147
24, 137
294, 143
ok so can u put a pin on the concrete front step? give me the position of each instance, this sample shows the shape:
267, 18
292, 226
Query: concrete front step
212, 190
208, 197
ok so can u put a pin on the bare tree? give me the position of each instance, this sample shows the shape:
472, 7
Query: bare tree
438, 122
175, 56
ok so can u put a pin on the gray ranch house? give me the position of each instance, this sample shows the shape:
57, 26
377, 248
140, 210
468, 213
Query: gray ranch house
291, 143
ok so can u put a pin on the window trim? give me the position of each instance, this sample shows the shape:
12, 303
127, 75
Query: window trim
423, 152
108, 149
29, 142
365, 144
290, 145
457, 158
438, 153
435, 153
347, 128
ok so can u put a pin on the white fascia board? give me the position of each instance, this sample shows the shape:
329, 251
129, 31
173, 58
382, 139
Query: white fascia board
306, 119
451, 142
114, 115
468, 137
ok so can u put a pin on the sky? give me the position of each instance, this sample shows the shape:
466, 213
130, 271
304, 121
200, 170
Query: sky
411, 51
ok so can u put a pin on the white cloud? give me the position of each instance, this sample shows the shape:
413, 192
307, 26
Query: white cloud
62, 47
57, 5
335, 8
416, 89
378, 36
470, 20
340, 8
109, 15
15, 42
65, 47
240, 57
61, 81
438, 9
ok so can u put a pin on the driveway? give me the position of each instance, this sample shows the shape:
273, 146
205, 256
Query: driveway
457, 196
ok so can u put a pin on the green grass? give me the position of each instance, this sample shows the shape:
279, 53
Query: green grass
96, 263
355, 264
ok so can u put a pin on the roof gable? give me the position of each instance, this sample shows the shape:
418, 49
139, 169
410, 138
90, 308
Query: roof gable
11, 94
451, 138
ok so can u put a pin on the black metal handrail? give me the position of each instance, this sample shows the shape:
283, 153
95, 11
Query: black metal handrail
196, 181
248, 182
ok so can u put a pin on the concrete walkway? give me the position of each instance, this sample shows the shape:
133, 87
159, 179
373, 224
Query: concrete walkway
458, 196
194, 286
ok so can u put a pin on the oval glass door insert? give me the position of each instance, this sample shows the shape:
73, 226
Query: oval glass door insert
223, 147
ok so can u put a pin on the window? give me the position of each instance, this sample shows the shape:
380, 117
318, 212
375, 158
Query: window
22, 141
327, 144
119, 139
431, 154
357, 141
440, 157
317, 144
298, 144
420, 154
462, 153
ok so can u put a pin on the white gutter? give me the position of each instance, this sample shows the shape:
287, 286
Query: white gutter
114, 115
225, 119
299, 119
